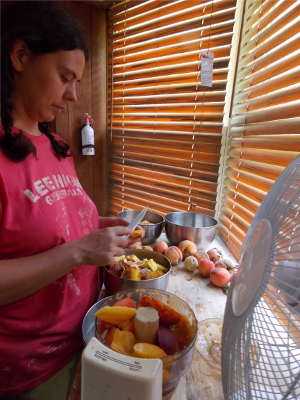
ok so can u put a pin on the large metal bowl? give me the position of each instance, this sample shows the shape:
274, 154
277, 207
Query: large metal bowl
198, 228
114, 284
152, 230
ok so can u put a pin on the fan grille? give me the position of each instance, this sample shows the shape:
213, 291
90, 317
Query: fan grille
261, 344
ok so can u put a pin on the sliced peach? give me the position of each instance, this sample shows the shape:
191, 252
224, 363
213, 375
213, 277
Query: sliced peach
110, 335
103, 326
128, 302
153, 274
127, 326
147, 350
167, 315
115, 315
123, 341
136, 233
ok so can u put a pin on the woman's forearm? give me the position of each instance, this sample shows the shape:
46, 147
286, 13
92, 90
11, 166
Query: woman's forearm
21, 277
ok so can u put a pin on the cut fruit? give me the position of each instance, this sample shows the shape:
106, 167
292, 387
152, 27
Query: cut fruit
167, 340
125, 303
123, 341
115, 315
110, 335
167, 315
153, 274
147, 350
136, 233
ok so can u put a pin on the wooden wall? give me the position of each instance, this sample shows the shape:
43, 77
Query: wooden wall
91, 93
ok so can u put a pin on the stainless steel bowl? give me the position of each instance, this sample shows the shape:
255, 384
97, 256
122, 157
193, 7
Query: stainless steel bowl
114, 284
152, 231
198, 228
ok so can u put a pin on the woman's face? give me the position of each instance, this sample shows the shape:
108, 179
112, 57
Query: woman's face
43, 85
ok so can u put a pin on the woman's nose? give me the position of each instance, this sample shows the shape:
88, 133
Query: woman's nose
71, 94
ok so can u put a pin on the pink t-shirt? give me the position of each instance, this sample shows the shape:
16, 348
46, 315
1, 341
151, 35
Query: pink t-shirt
43, 205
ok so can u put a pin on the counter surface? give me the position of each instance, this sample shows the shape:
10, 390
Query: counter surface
207, 301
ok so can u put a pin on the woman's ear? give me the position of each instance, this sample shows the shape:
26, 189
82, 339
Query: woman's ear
19, 55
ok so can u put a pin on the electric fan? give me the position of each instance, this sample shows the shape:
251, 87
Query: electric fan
261, 327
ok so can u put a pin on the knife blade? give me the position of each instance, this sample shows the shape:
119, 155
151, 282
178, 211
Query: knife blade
136, 220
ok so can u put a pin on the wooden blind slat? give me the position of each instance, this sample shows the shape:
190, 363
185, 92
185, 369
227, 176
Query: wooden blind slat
268, 114
283, 81
286, 126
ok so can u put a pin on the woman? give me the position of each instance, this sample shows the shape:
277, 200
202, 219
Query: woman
51, 238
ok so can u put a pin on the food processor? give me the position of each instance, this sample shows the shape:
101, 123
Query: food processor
109, 375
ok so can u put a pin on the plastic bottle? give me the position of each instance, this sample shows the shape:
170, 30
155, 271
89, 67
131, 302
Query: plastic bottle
87, 136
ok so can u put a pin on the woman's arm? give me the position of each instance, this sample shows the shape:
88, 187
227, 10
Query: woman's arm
23, 276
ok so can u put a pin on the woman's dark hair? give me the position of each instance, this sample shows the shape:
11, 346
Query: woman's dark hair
45, 28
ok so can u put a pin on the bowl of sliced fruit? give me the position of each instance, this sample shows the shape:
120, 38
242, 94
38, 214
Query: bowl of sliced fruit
150, 323
137, 269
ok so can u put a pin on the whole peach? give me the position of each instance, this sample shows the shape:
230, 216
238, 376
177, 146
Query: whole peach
174, 255
220, 276
187, 247
191, 263
160, 247
201, 254
205, 266
225, 263
214, 254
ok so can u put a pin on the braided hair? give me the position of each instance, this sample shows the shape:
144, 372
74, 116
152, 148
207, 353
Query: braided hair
44, 28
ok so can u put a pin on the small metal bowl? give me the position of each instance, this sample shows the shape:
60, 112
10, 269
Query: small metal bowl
152, 230
114, 284
198, 228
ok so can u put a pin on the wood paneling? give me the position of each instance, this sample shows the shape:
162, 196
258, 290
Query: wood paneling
91, 93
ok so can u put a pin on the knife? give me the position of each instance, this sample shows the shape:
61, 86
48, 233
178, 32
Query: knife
134, 223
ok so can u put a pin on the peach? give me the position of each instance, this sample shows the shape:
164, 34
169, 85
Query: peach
220, 276
147, 248
123, 341
160, 247
214, 254
225, 263
136, 233
147, 350
205, 266
191, 263
174, 255
136, 245
109, 337
187, 247
116, 314
167, 340
201, 254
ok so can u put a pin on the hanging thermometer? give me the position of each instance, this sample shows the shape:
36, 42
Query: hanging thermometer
87, 136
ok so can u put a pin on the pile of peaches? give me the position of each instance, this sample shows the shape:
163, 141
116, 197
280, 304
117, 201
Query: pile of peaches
209, 263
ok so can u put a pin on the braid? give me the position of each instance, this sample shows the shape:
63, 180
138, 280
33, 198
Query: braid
16, 147
59, 147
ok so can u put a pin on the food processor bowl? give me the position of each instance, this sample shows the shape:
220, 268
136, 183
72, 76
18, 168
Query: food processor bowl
176, 365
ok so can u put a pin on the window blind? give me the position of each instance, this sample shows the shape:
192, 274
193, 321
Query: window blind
264, 134
164, 127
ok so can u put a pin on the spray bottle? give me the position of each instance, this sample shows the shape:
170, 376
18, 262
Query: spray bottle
87, 136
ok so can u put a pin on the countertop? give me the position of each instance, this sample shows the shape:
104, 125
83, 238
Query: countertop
200, 382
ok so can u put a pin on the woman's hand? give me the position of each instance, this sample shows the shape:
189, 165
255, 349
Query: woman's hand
111, 221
